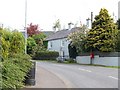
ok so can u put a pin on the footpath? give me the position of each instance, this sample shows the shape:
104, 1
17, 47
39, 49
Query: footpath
46, 79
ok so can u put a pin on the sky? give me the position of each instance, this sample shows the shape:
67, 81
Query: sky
46, 12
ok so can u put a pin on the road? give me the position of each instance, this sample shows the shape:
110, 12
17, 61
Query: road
82, 76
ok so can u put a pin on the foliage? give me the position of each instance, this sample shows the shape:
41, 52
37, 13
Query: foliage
39, 38
57, 25
45, 43
46, 55
118, 23
77, 39
71, 61
117, 42
5, 37
4, 48
17, 42
11, 76
32, 30
12, 42
31, 44
15, 64
101, 36
14, 71
72, 51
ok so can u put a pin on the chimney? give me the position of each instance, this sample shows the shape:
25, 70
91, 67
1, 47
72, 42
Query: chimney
69, 25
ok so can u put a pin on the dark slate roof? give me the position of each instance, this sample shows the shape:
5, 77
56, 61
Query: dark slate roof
48, 33
62, 34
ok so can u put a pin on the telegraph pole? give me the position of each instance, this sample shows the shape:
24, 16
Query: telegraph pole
91, 19
25, 27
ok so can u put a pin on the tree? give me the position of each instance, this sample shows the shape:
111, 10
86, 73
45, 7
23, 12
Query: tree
101, 36
11, 43
72, 51
118, 37
31, 44
17, 43
77, 39
39, 38
57, 25
32, 30
117, 41
118, 23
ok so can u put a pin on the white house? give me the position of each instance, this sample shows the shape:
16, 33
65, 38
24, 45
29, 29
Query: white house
59, 42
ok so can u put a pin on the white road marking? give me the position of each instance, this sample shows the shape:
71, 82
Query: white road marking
81, 69
84, 70
113, 77
57, 65
88, 71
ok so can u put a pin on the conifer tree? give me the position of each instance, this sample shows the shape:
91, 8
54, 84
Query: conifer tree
101, 36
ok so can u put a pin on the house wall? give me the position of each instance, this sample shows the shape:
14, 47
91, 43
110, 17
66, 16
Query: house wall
107, 61
58, 46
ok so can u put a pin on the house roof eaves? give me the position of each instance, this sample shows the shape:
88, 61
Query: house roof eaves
55, 39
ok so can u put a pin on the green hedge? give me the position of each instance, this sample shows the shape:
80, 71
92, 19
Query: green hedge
14, 63
46, 55
14, 71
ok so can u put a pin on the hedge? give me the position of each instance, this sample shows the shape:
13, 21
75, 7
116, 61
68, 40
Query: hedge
14, 71
46, 55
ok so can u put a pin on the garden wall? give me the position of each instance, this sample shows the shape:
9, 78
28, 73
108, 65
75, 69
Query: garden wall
107, 59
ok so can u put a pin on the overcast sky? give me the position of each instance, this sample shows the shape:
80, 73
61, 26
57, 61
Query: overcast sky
46, 12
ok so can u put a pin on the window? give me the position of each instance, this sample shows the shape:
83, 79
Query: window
62, 43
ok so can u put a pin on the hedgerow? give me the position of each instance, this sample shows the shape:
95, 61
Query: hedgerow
46, 55
14, 64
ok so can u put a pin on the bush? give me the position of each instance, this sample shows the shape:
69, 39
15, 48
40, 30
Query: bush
31, 44
46, 55
14, 71
72, 51
71, 60
15, 64
12, 76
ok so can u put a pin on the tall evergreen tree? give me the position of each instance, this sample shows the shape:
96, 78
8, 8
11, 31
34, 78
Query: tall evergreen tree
118, 23
101, 36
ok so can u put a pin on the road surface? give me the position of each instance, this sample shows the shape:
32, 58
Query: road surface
77, 76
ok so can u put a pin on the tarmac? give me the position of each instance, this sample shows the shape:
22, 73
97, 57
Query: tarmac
46, 79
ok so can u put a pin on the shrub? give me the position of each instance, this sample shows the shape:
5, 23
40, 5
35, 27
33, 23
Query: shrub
71, 61
15, 64
14, 71
12, 76
46, 55
31, 44
72, 51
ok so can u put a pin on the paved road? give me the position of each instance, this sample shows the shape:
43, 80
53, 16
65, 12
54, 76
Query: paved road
80, 76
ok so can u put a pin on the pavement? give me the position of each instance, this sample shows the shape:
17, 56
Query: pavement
46, 79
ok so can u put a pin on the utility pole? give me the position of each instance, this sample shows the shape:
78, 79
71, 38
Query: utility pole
25, 27
91, 19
